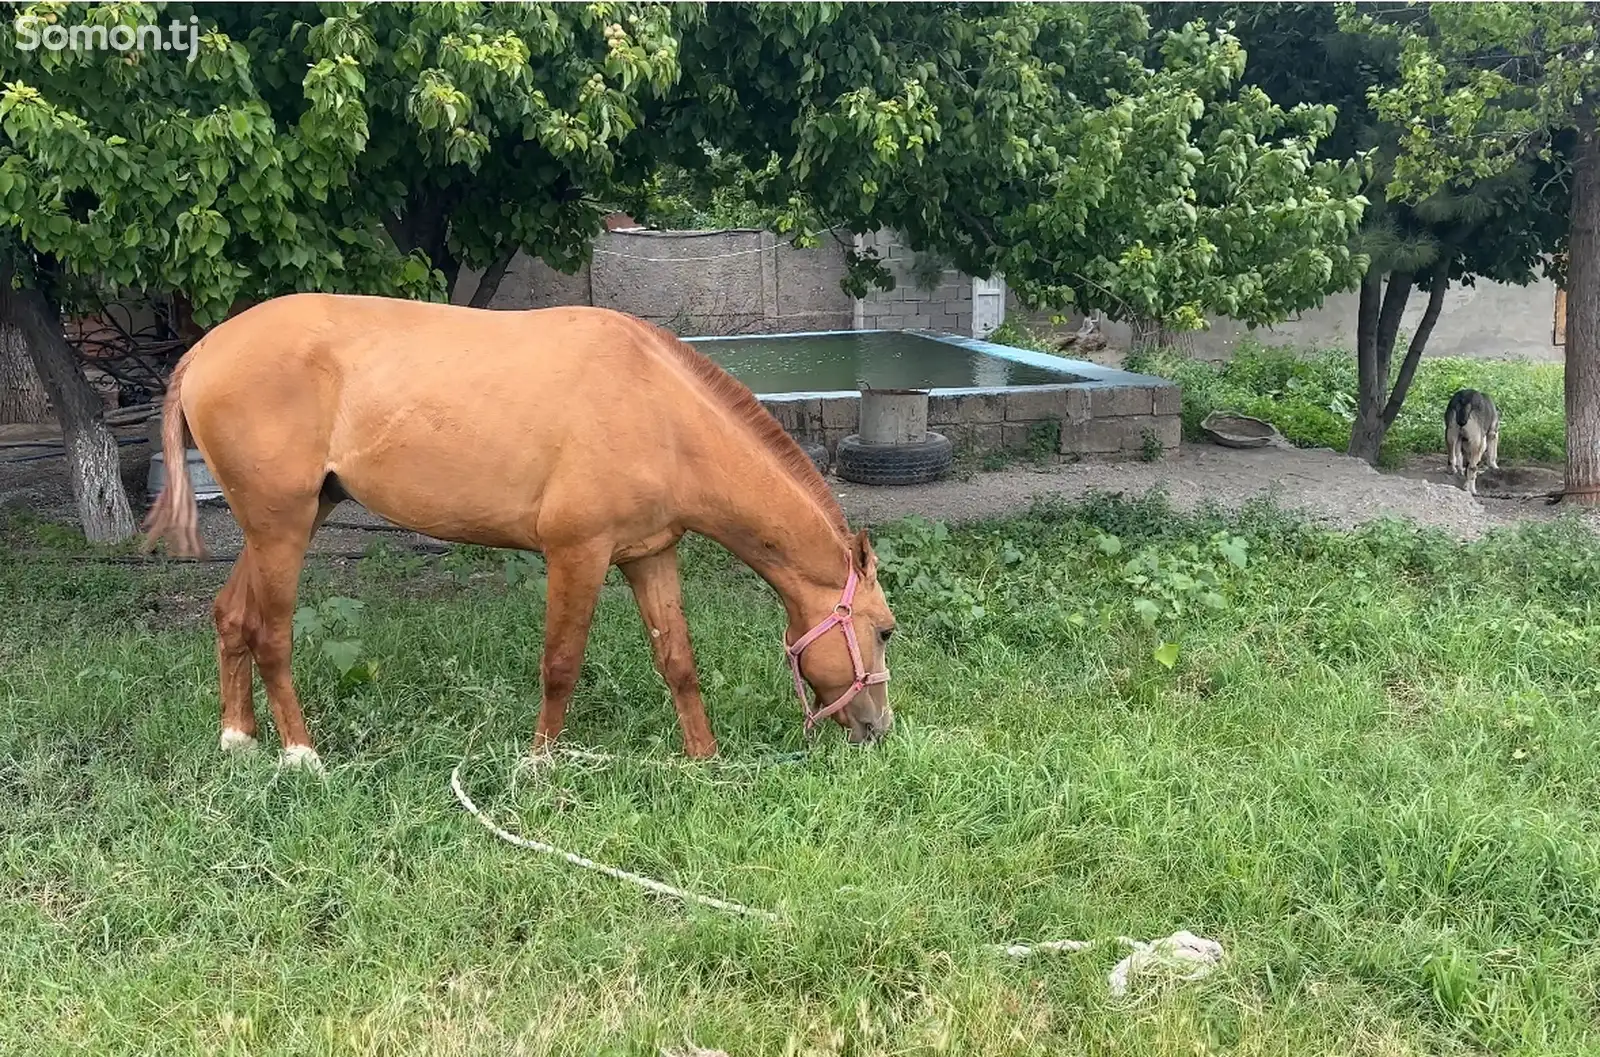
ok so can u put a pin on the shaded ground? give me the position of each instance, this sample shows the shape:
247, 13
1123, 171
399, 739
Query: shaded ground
1325, 485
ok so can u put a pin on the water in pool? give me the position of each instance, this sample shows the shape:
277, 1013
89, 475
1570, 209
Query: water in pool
885, 360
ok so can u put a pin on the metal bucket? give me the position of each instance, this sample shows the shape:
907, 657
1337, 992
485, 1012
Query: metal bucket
205, 486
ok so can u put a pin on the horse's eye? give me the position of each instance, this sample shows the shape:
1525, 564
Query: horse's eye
883, 636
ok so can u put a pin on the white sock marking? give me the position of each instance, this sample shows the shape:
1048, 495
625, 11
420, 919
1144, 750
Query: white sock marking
235, 740
297, 756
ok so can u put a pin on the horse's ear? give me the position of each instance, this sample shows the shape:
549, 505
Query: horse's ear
865, 558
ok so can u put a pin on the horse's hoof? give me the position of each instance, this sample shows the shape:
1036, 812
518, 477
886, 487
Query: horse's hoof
234, 740
296, 757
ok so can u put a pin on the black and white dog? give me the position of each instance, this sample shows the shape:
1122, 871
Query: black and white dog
1471, 432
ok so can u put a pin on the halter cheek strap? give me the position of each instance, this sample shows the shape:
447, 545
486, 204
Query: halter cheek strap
863, 679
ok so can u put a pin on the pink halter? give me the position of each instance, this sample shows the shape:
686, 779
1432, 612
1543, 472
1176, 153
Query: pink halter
863, 679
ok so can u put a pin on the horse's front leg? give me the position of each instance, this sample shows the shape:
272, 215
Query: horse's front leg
573, 580
655, 587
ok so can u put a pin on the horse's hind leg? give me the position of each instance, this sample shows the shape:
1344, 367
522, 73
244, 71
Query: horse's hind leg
277, 554
655, 587
573, 580
235, 671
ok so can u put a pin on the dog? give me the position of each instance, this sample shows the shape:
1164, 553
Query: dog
1471, 433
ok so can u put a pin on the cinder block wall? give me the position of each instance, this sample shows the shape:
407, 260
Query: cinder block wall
1098, 422
947, 307
693, 283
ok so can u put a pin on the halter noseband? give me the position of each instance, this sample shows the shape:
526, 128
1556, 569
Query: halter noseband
863, 679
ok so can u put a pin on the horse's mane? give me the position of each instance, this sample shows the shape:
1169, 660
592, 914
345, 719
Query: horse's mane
738, 398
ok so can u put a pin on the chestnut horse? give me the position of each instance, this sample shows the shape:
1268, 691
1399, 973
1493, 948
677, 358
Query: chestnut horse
582, 433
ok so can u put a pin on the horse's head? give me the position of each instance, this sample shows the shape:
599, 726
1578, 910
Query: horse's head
841, 654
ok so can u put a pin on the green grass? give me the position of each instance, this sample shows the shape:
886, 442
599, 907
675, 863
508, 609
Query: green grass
1310, 395
1372, 773
1310, 398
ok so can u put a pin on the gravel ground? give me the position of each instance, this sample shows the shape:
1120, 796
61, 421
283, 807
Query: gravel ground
1326, 486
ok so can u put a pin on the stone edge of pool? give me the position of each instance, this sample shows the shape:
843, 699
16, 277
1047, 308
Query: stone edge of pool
1104, 413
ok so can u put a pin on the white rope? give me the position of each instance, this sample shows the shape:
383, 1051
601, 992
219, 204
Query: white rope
589, 864
1183, 954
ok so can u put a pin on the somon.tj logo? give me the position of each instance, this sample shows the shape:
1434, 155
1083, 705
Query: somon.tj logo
33, 31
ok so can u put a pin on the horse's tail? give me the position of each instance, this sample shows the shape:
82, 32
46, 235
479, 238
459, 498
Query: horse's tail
175, 513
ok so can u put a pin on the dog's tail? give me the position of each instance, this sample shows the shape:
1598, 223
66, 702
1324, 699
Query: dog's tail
175, 513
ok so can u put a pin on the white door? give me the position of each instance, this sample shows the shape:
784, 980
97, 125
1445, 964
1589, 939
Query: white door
988, 305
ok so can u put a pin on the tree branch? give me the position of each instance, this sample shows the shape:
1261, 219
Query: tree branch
1419, 340
1394, 309
489, 282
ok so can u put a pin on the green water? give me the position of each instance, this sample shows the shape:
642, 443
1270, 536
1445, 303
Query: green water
889, 360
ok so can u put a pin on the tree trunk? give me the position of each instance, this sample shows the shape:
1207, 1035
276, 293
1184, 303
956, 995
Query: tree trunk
22, 394
1583, 320
93, 465
1366, 432
1149, 333
489, 282
1377, 328
1419, 341
425, 226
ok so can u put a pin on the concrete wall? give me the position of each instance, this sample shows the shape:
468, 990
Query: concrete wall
750, 282
946, 307
1107, 419
1488, 321
720, 282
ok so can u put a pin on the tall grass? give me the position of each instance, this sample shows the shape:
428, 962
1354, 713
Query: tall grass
1311, 398
1371, 772
1310, 395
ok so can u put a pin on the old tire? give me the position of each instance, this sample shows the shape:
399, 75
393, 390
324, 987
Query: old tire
892, 464
817, 453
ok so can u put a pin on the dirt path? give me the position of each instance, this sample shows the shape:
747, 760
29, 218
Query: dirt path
1324, 485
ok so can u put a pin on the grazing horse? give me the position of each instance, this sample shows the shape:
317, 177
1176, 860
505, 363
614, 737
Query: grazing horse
585, 434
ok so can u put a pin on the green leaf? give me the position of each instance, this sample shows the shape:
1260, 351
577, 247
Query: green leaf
1166, 654
1147, 610
307, 622
344, 653
344, 611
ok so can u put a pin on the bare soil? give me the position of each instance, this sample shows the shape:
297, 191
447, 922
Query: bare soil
1325, 486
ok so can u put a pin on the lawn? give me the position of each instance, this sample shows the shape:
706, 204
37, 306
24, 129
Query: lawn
1310, 397
1370, 771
